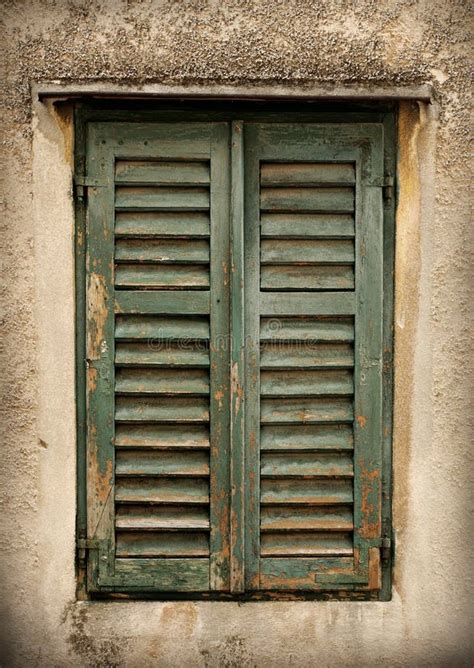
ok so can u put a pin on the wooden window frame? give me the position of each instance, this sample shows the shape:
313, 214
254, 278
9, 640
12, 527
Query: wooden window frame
232, 112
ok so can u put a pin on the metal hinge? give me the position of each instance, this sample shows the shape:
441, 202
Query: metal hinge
388, 188
82, 183
385, 548
83, 546
384, 543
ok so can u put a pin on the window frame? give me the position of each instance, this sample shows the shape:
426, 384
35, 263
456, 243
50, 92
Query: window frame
232, 112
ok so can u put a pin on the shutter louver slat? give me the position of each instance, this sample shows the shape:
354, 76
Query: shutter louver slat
162, 354
307, 437
167, 490
161, 172
161, 436
287, 518
161, 199
161, 518
146, 462
306, 225
161, 224
163, 251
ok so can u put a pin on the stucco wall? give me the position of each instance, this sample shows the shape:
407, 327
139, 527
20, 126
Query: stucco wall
285, 42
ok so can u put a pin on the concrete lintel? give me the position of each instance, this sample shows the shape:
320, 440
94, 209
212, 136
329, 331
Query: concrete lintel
104, 89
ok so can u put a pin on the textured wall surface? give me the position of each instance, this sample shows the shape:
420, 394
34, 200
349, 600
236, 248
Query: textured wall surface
285, 42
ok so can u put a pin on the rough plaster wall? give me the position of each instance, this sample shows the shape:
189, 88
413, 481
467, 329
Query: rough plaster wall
389, 42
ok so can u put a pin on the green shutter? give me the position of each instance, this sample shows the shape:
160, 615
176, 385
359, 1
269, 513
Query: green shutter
157, 383
313, 319
234, 338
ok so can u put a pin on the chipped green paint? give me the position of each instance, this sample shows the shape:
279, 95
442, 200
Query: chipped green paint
323, 230
298, 278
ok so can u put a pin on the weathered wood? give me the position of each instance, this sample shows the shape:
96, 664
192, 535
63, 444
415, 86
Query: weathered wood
306, 465
181, 302
300, 544
305, 355
307, 303
162, 381
158, 518
162, 544
166, 251
306, 492
306, 518
307, 174
161, 198
307, 437
158, 353
306, 410
162, 436
252, 360
220, 361
303, 573
306, 225
307, 277
162, 224
306, 383
157, 331
153, 276
307, 329
161, 172
290, 268
164, 409
237, 361
286, 251
368, 368
100, 350
155, 462
163, 575
338, 200
165, 490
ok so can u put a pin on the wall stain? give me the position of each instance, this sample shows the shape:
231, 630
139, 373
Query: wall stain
407, 271
232, 652
85, 643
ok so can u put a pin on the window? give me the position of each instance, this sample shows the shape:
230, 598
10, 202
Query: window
236, 289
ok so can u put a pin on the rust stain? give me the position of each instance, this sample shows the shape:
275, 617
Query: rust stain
218, 396
362, 420
375, 574
370, 529
225, 272
182, 616
92, 377
64, 114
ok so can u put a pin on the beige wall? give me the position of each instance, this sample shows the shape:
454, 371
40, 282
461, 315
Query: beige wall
390, 43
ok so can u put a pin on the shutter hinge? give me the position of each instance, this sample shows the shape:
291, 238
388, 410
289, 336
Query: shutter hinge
388, 188
385, 548
82, 183
83, 546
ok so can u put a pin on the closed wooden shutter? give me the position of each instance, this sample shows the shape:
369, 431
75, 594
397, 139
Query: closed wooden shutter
234, 342
158, 301
313, 319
